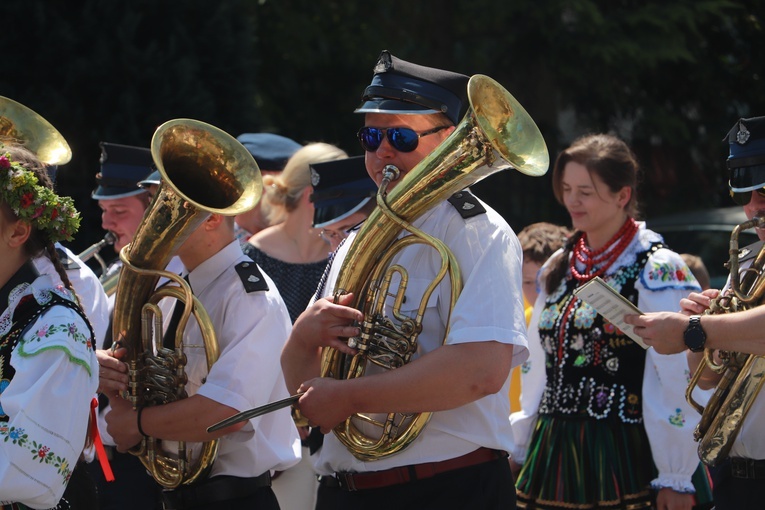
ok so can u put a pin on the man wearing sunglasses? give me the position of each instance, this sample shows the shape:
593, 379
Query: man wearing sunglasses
738, 481
459, 459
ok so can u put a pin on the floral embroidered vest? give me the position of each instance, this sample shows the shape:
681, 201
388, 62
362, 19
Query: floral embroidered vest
593, 369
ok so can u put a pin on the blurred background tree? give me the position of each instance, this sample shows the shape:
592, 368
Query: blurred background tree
669, 77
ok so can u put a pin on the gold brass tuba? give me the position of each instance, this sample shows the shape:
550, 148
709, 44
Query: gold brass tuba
495, 134
204, 170
742, 374
21, 123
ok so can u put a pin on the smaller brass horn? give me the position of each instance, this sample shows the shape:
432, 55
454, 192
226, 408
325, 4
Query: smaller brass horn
21, 123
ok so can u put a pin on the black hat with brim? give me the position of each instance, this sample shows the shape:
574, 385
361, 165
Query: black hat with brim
401, 87
122, 168
746, 162
341, 188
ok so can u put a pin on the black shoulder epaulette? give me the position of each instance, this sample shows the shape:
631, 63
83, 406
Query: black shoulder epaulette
466, 204
749, 252
66, 261
251, 277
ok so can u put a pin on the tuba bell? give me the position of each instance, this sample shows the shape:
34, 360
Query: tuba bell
204, 170
742, 374
18, 122
495, 134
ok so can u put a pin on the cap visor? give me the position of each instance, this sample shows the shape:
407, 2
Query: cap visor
392, 106
323, 216
748, 178
104, 193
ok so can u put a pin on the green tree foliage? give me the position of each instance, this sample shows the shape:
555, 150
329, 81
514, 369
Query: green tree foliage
670, 77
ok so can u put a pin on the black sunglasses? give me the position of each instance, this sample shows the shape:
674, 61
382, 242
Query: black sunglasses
743, 198
402, 139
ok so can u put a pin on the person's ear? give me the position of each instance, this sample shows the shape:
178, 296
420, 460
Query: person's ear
625, 194
18, 233
213, 221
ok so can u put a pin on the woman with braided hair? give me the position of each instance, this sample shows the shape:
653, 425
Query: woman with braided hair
48, 368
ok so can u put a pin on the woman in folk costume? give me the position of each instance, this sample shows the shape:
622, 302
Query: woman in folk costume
604, 423
48, 368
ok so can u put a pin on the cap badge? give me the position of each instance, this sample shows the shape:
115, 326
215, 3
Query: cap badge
315, 177
743, 134
384, 64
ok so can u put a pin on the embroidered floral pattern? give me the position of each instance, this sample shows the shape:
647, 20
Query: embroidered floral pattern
70, 329
584, 317
39, 451
667, 272
677, 419
548, 317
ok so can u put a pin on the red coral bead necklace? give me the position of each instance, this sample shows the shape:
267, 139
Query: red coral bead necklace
603, 257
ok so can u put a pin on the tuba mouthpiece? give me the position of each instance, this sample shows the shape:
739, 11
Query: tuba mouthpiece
390, 173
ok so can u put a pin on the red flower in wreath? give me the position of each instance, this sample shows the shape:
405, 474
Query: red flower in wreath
54, 214
5, 162
27, 199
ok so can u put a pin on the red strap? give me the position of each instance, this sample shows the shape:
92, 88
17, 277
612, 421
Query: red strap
100, 451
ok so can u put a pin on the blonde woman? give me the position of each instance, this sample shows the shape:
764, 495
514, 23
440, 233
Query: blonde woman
291, 251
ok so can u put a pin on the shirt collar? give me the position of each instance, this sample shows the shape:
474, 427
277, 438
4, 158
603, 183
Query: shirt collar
211, 269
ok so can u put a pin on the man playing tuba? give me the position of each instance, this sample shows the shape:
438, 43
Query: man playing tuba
461, 365
738, 479
215, 353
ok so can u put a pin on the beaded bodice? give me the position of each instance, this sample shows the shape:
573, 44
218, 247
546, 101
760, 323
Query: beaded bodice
593, 369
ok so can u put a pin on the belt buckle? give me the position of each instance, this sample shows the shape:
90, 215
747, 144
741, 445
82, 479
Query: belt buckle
346, 481
742, 468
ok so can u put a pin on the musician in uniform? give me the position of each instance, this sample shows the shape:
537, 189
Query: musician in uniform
739, 480
343, 196
458, 460
251, 324
123, 203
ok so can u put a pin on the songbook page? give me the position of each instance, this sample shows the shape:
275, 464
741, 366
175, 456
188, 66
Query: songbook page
611, 305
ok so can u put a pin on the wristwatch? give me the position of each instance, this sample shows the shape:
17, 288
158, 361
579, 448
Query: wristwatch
694, 335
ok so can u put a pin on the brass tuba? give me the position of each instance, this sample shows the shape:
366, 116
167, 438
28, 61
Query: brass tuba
742, 374
23, 124
204, 170
496, 133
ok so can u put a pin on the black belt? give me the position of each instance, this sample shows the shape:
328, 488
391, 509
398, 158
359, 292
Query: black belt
747, 468
214, 490
405, 474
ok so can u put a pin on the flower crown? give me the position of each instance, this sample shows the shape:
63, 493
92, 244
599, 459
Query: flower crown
35, 204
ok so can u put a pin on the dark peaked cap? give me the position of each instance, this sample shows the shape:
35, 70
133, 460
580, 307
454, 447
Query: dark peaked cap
271, 151
122, 167
340, 188
402, 87
746, 162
